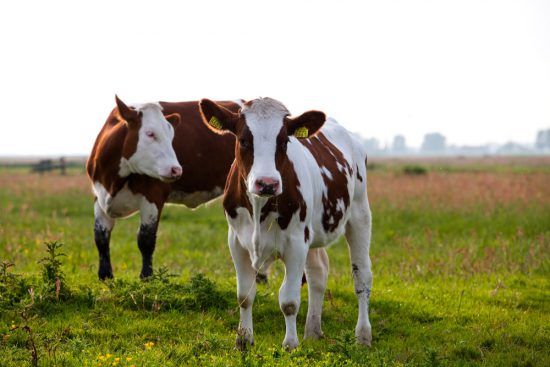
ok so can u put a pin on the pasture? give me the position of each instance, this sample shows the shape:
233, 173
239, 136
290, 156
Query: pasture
461, 263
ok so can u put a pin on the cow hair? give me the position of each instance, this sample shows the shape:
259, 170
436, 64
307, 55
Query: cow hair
265, 107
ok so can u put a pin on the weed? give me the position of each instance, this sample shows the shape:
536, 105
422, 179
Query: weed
52, 274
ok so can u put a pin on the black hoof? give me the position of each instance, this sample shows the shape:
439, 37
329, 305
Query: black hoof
145, 274
105, 271
104, 275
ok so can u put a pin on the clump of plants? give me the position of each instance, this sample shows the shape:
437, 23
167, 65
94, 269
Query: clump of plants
414, 170
161, 293
13, 287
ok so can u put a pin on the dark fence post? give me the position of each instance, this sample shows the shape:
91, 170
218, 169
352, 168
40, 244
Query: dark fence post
62, 166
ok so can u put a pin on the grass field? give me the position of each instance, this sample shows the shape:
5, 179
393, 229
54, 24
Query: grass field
461, 262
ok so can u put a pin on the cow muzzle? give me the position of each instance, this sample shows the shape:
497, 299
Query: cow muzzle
173, 175
266, 186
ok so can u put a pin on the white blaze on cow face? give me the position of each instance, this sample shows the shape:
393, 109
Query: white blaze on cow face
154, 155
265, 119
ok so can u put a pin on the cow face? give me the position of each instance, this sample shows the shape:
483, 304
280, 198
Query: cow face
147, 148
263, 129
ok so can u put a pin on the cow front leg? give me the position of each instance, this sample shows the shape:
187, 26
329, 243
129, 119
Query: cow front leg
316, 274
246, 290
103, 225
358, 233
289, 293
147, 236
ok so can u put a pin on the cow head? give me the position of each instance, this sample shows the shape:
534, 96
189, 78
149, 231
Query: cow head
147, 147
263, 129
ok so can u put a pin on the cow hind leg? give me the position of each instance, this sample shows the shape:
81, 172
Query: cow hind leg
358, 233
317, 265
147, 236
103, 225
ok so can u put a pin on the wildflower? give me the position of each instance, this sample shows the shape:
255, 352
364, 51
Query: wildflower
149, 345
128, 359
108, 355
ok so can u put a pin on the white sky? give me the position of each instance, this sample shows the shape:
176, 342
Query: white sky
476, 71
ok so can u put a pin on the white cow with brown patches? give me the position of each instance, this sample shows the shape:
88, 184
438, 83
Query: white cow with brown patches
295, 186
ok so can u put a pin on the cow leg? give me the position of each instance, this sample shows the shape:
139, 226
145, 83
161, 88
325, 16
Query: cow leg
289, 293
246, 290
103, 225
147, 236
316, 274
358, 233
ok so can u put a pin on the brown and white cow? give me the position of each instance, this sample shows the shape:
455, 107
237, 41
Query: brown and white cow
144, 157
293, 189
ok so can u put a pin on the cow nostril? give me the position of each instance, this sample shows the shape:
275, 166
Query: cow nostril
176, 171
260, 184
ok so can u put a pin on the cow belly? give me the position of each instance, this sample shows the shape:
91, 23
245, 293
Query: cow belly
194, 199
123, 204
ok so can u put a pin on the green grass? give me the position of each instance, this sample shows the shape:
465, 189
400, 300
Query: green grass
453, 286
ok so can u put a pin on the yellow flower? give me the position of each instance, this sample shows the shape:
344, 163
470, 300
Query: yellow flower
128, 359
117, 359
108, 355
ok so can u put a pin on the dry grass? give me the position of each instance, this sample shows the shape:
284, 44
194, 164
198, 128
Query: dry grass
459, 190
23, 183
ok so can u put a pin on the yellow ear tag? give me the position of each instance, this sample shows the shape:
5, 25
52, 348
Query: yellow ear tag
214, 122
301, 132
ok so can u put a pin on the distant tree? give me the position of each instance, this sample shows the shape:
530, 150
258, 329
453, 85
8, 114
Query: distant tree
542, 141
399, 144
433, 143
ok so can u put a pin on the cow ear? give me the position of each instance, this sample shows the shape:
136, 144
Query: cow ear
174, 119
305, 125
126, 113
218, 118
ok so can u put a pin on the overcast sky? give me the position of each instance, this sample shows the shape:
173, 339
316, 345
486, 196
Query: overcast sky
476, 71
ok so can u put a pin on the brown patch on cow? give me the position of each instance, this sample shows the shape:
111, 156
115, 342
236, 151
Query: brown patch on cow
306, 234
244, 301
195, 145
358, 175
329, 156
235, 193
289, 309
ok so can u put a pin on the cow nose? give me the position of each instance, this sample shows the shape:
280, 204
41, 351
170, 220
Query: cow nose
176, 171
267, 185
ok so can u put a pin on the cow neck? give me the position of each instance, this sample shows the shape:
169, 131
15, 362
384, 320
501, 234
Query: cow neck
109, 158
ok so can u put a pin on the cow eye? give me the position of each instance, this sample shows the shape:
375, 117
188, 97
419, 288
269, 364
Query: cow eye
150, 134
